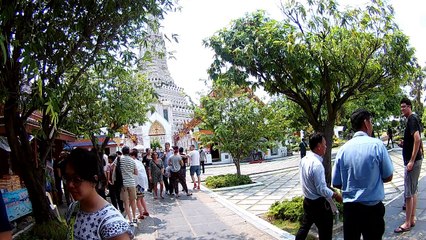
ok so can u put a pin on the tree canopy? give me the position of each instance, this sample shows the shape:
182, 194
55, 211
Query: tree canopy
238, 120
47, 47
318, 56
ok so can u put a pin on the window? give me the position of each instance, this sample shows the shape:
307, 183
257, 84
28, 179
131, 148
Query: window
166, 114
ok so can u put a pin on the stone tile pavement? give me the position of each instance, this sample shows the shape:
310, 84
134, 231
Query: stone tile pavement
284, 184
199, 216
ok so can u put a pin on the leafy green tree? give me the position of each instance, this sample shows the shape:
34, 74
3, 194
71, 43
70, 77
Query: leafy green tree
109, 99
318, 56
237, 119
285, 118
46, 48
416, 89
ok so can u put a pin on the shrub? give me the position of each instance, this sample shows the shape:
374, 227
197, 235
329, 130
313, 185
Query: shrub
53, 230
291, 210
228, 180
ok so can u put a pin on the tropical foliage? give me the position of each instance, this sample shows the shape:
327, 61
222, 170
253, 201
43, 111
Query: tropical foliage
318, 56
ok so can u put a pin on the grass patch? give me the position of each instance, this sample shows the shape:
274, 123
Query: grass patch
53, 230
288, 214
227, 180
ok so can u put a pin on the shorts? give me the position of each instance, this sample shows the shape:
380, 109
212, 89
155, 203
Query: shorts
139, 192
194, 169
411, 179
128, 194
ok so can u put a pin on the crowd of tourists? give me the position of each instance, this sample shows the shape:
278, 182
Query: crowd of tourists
125, 179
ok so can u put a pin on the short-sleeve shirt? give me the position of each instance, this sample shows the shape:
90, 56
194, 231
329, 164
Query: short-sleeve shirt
105, 223
195, 158
413, 125
361, 165
128, 166
174, 159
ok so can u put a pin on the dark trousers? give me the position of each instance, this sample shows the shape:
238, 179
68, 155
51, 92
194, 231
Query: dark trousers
316, 211
114, 194
202, 166
175, 178
167, 185
362, 219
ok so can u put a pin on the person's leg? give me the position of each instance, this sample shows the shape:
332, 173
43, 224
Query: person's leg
173, 179
198, 171
183, 183
145, 213
161, 190
324, 221
202, 166
192, 172
351, 221
166, 184
139, 206
155, 190
373, 226
113, 196
132, 196
125, 197
307, 221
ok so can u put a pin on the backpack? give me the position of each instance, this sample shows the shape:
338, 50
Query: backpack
118, 183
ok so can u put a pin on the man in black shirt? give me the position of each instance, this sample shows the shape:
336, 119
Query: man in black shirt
412, 154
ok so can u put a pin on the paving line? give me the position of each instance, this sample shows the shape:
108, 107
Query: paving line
186, 219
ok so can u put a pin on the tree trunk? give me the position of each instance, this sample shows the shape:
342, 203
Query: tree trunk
25, 159
238, 166
328, 133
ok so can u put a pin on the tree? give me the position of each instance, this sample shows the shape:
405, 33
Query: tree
237, 119
46, 48
112, 97
417, 86
319, 57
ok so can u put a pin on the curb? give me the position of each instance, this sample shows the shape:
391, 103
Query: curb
237, 187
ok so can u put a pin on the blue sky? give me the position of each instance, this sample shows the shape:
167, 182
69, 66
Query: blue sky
200, 19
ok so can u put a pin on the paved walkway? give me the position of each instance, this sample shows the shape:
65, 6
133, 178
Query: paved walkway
200, 216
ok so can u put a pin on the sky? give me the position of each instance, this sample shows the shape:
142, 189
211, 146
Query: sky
200, 19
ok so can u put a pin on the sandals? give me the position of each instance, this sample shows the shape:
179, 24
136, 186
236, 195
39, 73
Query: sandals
141, 217
400, 229
145, 214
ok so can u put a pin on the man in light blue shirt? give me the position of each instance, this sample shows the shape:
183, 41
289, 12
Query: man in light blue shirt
361, 167
315, 205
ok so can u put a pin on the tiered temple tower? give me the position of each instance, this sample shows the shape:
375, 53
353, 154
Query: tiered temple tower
173, 108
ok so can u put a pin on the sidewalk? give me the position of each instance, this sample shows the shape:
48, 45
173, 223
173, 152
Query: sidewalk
394, 216
200, 216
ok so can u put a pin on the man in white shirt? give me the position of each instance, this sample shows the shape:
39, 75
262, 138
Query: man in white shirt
316, 207
194, 157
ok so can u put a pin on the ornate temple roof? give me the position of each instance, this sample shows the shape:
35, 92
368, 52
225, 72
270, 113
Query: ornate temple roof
154, 65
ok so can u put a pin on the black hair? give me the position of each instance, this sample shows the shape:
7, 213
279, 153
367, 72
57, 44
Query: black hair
119, 153
112, 157
315, 139
134, 153
175, 148
126, 150
358, 117
406, 101
181, 149
85, 164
